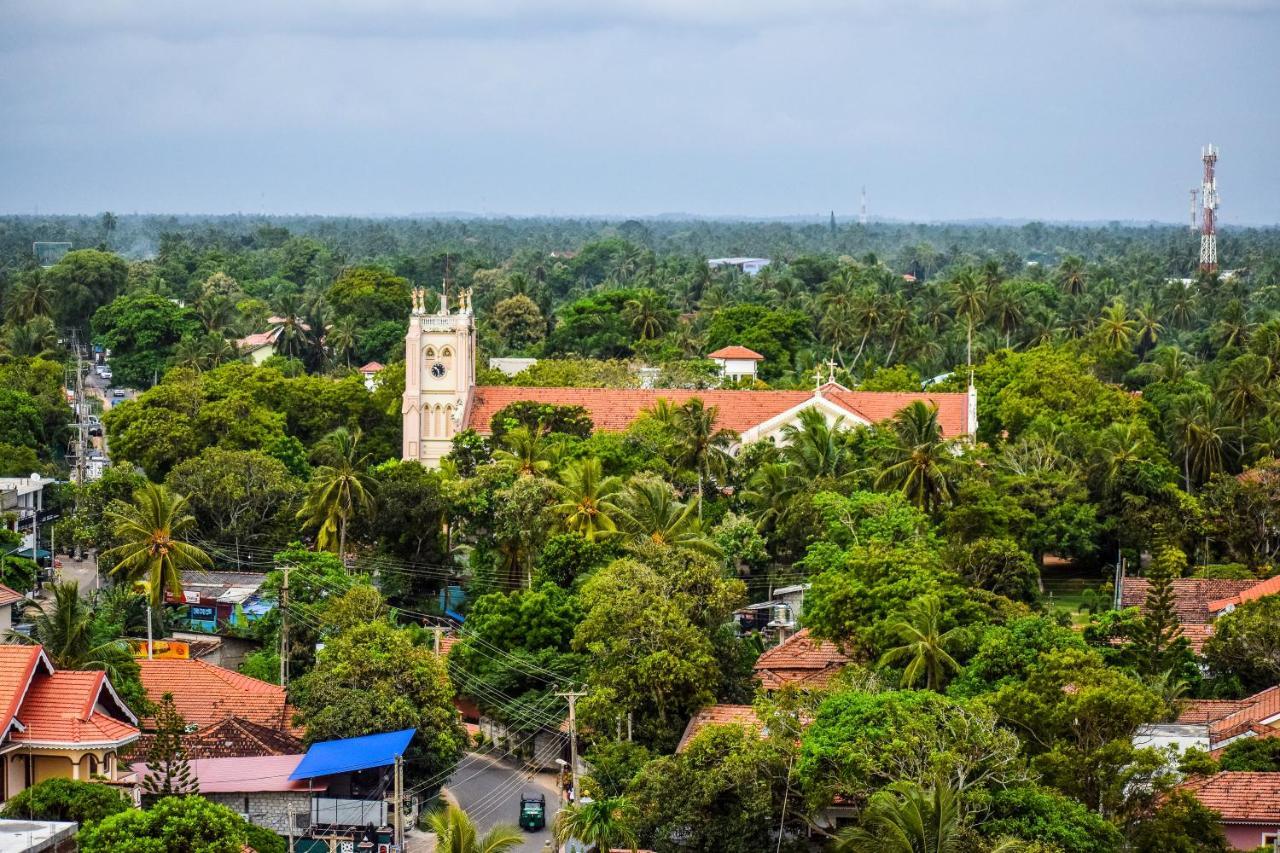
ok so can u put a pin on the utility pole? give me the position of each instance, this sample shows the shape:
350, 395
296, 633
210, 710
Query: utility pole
284, 629
400, 803
573, 697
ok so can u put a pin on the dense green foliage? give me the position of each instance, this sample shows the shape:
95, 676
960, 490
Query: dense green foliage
65, 799
1128, 409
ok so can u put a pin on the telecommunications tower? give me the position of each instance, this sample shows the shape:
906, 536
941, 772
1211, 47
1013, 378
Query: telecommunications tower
1208, 215
862, 215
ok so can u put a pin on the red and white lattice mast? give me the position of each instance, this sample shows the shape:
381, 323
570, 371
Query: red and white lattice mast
1208, 214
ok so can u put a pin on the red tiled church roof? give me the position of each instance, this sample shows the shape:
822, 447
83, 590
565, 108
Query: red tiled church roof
1240, 797
205, 694
802, 660
1262, 707
736, 352
614, 409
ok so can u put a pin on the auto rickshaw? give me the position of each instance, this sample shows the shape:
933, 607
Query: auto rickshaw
533, 812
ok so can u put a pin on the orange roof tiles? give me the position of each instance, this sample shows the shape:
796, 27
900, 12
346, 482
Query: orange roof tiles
1196, 711
9, 596
204, 693
230, 737
1271, 586
1240, 797
1262, 707
18, 664
719, 715
614, 409
737, 352
372, 367
60, 708
1191, 596
802, 660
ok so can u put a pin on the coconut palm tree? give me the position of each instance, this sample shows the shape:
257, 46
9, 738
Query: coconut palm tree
769, 493
338, 491
969, 300
925, 649
1242, 388
701, 446
1147, 320
35, 337
1072, 276
907, 818
151, 548
651, 515
33, 297
1199, 433
647, 315
815, 448
1008, 311
920, 461
602, 825
526, 452
586, 504
65, 627
216, 311
456, 833
342, 339
1115, 328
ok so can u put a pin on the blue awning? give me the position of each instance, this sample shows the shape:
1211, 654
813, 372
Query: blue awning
353, 753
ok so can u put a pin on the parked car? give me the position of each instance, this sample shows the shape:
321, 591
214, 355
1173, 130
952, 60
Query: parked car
117, 392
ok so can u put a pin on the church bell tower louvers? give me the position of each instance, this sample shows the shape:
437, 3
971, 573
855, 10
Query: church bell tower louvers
439, 375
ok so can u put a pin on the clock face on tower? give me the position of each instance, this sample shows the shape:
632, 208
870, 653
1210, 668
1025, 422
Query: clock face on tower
437, 370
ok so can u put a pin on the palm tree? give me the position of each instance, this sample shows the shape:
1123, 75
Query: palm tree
35, 337
339, 489
647, 315
907, 818
1198, 430
585, 499
33, 297
1007, 309
456, 833
342, 339
602, 825
769, 494
216, 311
1072, 277
1232, 326
1243, 387
1147, 320
701, 447
650, 514
526, 452
969, 300
65, 627
1115, 327
925, 648
920, 461
151, 549
814, 447
866, 313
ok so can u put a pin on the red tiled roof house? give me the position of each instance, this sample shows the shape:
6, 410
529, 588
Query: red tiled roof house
57, 724
205, 694
802, 660
1249, 804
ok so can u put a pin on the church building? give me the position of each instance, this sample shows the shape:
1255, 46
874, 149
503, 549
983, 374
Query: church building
441, 397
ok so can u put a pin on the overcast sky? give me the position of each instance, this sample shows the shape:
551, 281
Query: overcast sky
1084, 110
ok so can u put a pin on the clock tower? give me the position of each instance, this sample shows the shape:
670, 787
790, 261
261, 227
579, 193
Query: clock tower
439, 374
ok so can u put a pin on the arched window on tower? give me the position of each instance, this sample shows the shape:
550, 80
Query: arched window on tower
448, 422
428, 359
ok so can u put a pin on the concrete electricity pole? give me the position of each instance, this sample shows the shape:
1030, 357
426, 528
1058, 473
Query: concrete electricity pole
573, 697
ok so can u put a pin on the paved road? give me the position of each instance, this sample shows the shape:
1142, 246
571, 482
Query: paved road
489, 790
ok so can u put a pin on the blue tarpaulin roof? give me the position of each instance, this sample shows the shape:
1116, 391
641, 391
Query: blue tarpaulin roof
353, 753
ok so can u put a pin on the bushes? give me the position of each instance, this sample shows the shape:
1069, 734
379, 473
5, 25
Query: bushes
66, 799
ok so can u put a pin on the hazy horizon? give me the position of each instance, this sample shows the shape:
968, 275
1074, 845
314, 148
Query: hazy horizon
991, 110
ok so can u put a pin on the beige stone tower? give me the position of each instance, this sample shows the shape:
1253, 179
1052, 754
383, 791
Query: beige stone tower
439, 374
